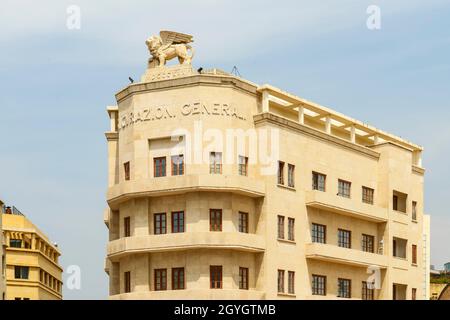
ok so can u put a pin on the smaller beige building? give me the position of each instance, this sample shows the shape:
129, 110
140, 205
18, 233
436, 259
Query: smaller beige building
32, 264
3, 260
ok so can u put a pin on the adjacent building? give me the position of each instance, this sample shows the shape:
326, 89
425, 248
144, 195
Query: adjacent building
32, 264
3, 261
326, 207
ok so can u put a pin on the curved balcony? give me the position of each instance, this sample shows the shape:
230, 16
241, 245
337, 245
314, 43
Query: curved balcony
345, 206
185, 241
335, 254
161, 186
201, 294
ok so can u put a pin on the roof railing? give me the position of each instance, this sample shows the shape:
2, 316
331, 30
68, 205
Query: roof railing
11, 210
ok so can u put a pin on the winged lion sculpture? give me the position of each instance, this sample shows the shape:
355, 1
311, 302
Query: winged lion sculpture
169, 45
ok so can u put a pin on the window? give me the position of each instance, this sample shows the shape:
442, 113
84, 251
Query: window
160, 279
159, 167
21, 272
243, 222
177, 221
280, 281
413, 294
243, 278
414, 211
215, 277
367, 195
291, 224
318, 181
344, 188
126, 168
399, 247
291, 282
178, 165
414, 253
344, 238
395, 202
280, 227
319, 233
368, 243
177, 278
127, 281
291, 170
280, 172
344, 288
243, 165
215, 162
126, 227
15, 243
367, 291
215, 220
319, 285
160, 223
399, 201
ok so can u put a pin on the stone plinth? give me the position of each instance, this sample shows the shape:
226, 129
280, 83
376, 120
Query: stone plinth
167, 73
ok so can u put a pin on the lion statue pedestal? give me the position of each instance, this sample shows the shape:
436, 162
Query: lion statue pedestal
167, 73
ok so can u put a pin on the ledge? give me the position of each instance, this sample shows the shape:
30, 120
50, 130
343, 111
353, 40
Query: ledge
202, 294
335, 254
345, 206
184, 241
161, 186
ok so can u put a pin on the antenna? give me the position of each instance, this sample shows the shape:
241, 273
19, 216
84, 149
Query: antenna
236, 72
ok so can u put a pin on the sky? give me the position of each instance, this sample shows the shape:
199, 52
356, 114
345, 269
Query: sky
56, 83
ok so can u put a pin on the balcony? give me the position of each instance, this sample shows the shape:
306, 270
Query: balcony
345, 206
335, 254
202, 294
180, 184
183, 241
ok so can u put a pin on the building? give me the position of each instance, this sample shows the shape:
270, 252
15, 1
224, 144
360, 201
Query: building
440, 284
447, 267
326, 207
33, 271
3, 261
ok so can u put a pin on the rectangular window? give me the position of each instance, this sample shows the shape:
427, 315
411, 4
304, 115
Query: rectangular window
344, 288
280, 281
395, 202
215, 162
344, 238
280, 172
318, 181
280, 227
414, 253
291, 282
291, 176
215, 220
160, 279
21, 272
319, 233
127, 281
413, 294
243, 222
367, 291
126, 168
368, 243
215, 277
177, 278
319, 285
177, 165
414, 211
344, 188
160, 223
367, 195
243, 278
159, 167
126, 227
177, 221
15, 243
291, 228
243, 165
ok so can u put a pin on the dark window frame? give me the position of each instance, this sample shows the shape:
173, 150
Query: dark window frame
126, 169
291, 282
127, 281
344, 238
160, 279
291, 175
291, 229
344, 188
319, 181
318, 233
159, 167
127, 227
319, 285
22, 272
178, 279
243, 166
366, 292
344, 288
243, 278
215, 277
243, 221
177, 166
368, 243
280, 281
215, 162
280, 173
158, 226
178, 221
280, 226
368, 195
215, 220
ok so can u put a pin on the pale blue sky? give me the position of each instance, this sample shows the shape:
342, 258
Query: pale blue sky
56, 83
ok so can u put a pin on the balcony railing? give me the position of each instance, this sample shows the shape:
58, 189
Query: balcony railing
11, 210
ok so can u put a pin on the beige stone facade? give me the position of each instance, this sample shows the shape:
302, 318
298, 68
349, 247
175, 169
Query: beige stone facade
32, 264
339, 206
